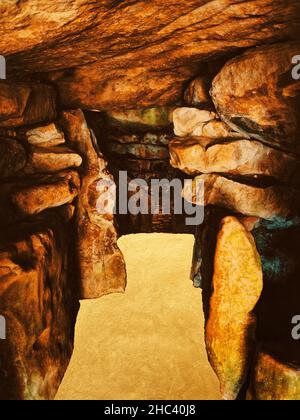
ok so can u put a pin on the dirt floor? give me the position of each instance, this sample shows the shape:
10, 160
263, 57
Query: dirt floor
147, 343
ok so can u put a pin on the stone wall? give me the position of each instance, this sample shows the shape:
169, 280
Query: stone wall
189, 90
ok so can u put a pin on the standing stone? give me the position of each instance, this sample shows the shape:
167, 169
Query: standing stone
274, 380
101, 264
237, 286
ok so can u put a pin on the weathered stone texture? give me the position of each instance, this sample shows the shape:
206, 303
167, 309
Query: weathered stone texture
256, 93
38, 300
100, 262
237, 286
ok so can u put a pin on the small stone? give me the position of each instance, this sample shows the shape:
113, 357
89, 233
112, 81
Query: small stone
45, 136
143, 119
190, 121
13, 157
237, 286
51, 160
45, 192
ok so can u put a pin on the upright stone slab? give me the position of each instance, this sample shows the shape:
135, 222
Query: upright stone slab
101, 266
237, 286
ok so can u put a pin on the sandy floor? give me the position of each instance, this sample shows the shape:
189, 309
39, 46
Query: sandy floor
148, 343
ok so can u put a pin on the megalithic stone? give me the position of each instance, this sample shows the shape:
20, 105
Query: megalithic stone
100, 262
237, 286
39, 304
249, 200
274, 380
255, 93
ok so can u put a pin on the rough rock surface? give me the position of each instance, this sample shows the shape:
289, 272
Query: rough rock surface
256, 93
39, 304
138, 61
24, 104
116, 32
13, 157
100, 262
134, 53
237, 286
190, 121
139, 120
45, 136
249, 200
51, 160
39, 194
273, 380
239, 157
277, 243
149, 138
218, 129
197, 93
142, 151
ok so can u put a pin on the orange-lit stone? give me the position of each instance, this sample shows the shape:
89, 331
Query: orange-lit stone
237, 286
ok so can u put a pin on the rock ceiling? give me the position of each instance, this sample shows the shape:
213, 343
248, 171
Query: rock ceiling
190, 90
112, 54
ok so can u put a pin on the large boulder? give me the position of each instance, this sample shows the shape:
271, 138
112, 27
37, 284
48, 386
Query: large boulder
13, 157
274, 380
256, 94
38, 302
237, 157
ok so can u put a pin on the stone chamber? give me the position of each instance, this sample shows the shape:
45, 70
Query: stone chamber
200, 90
